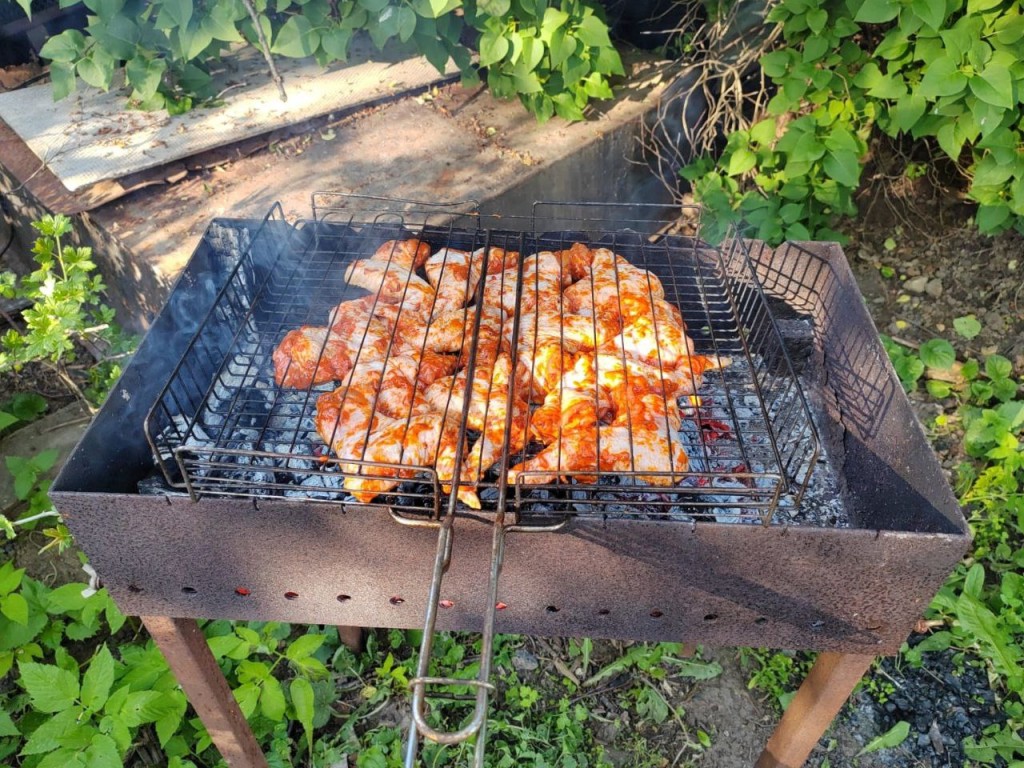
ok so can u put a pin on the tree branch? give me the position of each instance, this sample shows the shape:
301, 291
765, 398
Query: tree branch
265, 47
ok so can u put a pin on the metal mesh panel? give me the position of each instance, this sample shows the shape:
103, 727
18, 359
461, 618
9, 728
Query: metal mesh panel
222, 426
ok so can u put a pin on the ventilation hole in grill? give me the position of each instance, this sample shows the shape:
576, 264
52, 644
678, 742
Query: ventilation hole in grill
552, 609
289, 595
501, 606
446, 603
709, 617
186, 590
344, 598
242, 592
396, 600
760, 620
603, 612
656, 614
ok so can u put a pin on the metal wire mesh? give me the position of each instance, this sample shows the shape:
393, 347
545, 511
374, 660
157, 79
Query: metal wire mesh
222, 426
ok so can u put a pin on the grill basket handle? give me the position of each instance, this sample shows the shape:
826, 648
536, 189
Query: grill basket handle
477, 725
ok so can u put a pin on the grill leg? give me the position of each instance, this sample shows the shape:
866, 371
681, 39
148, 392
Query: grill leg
821, 695
352, 638
184, 646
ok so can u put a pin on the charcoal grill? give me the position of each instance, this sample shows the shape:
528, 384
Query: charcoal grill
813, 515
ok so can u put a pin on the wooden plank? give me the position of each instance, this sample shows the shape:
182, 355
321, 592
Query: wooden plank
822, 694
184, 646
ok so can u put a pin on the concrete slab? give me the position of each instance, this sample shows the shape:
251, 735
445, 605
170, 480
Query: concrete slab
90, 137
60, 430
453, 144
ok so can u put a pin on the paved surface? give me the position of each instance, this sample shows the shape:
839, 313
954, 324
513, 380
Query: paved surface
459, 144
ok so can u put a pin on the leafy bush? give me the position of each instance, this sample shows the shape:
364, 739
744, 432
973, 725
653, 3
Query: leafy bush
67, 307
981, 607
946, 73
555, 59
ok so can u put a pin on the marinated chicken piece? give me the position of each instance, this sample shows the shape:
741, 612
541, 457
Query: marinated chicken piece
658, 338
380, 415
411, 253
541, 285
408, 446
488, 412
649, 444
455, 275
393, 283
614, 286
309, 356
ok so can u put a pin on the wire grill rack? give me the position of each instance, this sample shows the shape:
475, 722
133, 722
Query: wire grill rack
221, 426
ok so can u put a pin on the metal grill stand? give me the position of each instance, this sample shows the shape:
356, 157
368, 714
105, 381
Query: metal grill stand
687, 570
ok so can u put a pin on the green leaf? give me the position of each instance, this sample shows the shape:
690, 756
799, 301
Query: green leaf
740, 161
47, 737
304, 647
220, 23
998, 367
65, 47
843, 166
942, 78
891, 738
593, 32
50, 688
97, 69
63, 758
938, 389
167, 724
979, 621
10, 577
15, 608
930, 12
967, 326
102, 753
303, 702
554, 21
493, 48
119, 35
247, 695
296, 38
28, 406
566, 107
994, 86
816, 20
877, 11
938, 353
174, 14
272, 702
906, 112
145, 707
7, 726
992, 218
97, 679
335, 43
406, 23
144, 75
494, 7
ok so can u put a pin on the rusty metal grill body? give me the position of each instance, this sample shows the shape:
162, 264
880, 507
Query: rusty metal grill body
248, 550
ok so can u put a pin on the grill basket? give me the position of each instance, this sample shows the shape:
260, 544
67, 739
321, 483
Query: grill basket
221, 427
